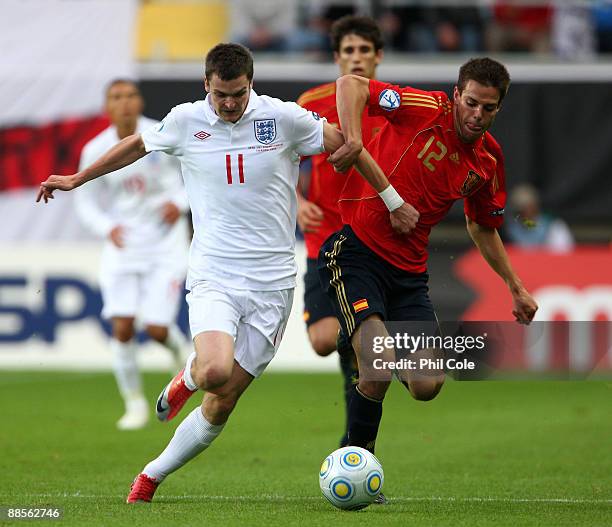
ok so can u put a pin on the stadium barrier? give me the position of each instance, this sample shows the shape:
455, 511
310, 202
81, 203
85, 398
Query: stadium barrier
50, 304
50, 314
574, 293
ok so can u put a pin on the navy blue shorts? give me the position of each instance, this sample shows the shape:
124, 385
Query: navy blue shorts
360, 283
316, 302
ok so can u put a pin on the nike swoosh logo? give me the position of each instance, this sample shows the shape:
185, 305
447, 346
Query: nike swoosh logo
160, 408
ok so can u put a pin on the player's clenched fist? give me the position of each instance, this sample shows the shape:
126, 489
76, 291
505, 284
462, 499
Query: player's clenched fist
55, 183
345, 156
404, 218
525, 306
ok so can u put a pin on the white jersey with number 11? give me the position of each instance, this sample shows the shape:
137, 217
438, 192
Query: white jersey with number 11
240, 180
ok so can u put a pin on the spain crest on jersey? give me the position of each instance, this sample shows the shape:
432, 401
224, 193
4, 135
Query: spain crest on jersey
265, 130
471, 183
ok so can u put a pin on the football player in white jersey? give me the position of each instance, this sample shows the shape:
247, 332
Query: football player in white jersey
239, 154
140, 213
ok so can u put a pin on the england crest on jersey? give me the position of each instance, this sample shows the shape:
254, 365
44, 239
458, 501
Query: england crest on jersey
265, 130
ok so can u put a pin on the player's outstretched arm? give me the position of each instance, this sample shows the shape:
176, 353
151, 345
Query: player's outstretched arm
352, 94
492, 249
122, 154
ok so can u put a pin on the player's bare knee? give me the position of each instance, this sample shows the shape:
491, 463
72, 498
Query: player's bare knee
210, 376
322, 344
123, 328
157, 333
123, 331
426, 390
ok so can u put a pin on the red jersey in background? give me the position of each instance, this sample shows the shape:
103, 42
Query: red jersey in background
325, 184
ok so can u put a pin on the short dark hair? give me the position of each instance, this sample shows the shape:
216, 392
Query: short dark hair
487, 72
363, 26
229, 61
114, 82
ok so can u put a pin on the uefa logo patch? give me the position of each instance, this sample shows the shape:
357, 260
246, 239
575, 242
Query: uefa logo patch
389, 100
265, 130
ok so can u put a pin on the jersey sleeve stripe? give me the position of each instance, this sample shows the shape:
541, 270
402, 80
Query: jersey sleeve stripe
434, 106
313, 96
418, 96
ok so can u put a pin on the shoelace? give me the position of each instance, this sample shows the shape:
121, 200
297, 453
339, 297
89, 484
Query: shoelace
143, 488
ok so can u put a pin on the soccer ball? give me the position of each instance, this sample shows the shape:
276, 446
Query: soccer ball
351, 478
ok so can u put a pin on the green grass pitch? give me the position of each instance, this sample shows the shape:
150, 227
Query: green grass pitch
482, 453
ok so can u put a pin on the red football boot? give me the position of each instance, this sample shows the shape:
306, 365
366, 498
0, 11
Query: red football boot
173, 398
142, 489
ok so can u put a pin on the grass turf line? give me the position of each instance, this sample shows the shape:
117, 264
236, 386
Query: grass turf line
482, 453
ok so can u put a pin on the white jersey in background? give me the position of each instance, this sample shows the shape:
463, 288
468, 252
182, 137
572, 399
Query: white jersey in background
133, 198
240, 180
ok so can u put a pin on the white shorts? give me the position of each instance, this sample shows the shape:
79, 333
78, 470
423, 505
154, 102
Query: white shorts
255, 319
152, 297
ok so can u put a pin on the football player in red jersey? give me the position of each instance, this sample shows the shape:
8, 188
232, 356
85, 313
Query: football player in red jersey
357, 43
434, 151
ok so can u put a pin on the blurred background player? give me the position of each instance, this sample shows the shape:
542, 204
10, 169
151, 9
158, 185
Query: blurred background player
357, 44
531, 228
140, 213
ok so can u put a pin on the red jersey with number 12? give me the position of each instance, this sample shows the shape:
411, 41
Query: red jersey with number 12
325, 183
429, 166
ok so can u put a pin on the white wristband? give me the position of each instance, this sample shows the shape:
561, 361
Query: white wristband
391, 198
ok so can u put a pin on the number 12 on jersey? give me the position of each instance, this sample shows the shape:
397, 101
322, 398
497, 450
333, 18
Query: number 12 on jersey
228, 168
437, 156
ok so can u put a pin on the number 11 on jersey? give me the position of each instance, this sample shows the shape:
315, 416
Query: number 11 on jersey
228, 168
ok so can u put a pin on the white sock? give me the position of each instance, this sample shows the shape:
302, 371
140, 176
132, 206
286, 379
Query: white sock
191, 437
187, 373
126, 369
175, 341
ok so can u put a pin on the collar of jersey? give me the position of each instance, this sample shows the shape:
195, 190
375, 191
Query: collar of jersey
212, 116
